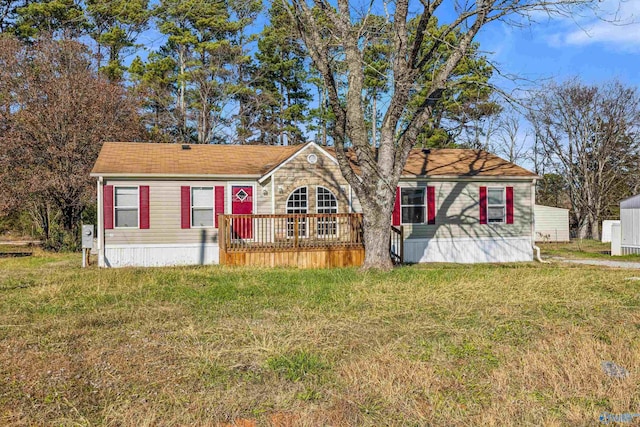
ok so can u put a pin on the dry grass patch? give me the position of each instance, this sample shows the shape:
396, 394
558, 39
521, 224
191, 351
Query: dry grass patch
423, 345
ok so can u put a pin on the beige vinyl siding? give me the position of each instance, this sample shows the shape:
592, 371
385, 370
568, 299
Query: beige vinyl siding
263, 198
458, 211
165, 212
164, 216
552, 224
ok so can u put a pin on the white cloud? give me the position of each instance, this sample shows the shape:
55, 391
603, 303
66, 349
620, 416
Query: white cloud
615, 24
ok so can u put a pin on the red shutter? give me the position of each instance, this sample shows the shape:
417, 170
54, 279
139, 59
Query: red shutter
431, 205
509, 205
483, 205
144, 207
185, 206
107, 206
219, 203
396, 208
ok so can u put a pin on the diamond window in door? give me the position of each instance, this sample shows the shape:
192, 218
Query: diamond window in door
242, 195
242, 204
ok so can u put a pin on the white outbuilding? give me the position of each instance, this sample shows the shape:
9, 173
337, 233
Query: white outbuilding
630, 225
607, 226
551, 224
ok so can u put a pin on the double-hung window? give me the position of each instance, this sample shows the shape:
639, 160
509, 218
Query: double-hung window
496, 205
412, 205
201, 207
126, 207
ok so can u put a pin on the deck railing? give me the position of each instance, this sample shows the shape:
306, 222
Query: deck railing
397, 245
289, 231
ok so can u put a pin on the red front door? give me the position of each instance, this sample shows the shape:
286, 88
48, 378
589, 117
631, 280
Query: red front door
242, 203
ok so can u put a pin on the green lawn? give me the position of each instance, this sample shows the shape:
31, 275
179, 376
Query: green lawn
422, 345
583, 249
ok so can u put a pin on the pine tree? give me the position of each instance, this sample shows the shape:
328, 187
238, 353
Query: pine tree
9, 14
201, 39
281, 82
115, 26
467, 99
154, 83
63, 18
244, 93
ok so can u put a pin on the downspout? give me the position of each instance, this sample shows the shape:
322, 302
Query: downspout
533, 224
100, 224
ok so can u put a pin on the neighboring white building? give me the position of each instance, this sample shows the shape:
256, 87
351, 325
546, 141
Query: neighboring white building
551, 224
606, 229
630, 225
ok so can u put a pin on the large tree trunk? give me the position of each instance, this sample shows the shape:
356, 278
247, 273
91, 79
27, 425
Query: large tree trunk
377, 226
377, 211
594, 229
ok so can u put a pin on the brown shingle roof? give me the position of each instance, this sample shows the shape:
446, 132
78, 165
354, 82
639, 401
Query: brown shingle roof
170, 159
458, 162
461, 162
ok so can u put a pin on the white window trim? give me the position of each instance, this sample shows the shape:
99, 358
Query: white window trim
424, 205
337, 233
503, 205
213, 206
115, 207
286, 207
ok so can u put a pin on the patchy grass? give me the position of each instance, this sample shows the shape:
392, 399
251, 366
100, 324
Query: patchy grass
583, 249
422, 345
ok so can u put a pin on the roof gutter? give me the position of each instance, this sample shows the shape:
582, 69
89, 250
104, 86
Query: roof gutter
262, 178
472, 177
172, 175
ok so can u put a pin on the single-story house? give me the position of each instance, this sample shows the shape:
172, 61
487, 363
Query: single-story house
552, 224
159, 204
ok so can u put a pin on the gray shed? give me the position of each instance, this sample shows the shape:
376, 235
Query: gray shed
551, 224
630, 225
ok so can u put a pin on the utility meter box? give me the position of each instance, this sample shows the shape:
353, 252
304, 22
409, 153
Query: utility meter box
87, 236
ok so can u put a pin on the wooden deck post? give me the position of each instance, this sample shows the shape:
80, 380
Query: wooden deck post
222, 239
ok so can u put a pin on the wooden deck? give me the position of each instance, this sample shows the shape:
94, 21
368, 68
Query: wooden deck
294, 240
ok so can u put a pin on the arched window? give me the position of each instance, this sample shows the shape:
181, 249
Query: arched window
326, 203
297, 203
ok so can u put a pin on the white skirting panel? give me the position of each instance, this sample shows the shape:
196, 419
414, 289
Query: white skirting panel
468, 250
160, 255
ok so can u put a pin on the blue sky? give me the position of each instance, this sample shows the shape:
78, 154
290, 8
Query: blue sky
594, 46
590, 47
